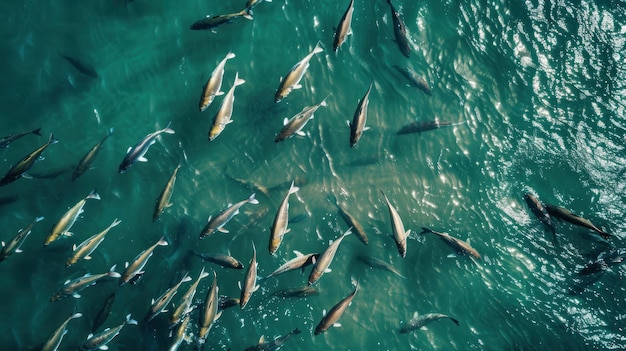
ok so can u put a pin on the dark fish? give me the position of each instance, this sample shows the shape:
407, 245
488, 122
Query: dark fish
539, 210
272, 345
19, 169
216, 21
227, 302
568, 216
82, 67
604, 260
380, 264
414, 79
418, 127
85, 163
53, 173
14, 245
343, 29
103, 312
419, 321
459, 246
7, 140
137, 152
333, 315
296, 292
350, 220
225, 261
357, 126
399, 31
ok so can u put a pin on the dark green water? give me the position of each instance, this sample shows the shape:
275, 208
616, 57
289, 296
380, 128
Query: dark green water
536, 87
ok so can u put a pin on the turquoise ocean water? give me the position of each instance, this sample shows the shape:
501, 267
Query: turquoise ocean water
535, 89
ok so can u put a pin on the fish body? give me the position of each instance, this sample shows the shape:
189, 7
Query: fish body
539, 210
72, 287
604, 261
210, 312
103, 312
179, 334
62, 227
423, 126
249, 284
81, 66
281, 220
414, 79
299, 262
184, 306
333, 315
568, 216
460, 246
87, 247
380, 264
215, 21
163, 201
419, 321
85, 163
350, 220
357, 126
162, 301
218, 222
212, 87
53, 342
99, 341
7, 140
343, 29
297, 122
134, 270
224, 114
19, 169
296, 292
326, 258
15, 244
225, 261
274, 344
399, 31
292, 79
138, 152
397, 227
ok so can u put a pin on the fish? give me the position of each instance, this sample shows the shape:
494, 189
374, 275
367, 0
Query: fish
19, 169
215, 21
274, 344
210, 311
380, 264
281, 220
53, 342
343, 29
357, 126
72, 287
224, 114
103, 312
85, 163
399, 31
249, 285
539, 210
62, 227
299, 262
604, 261
325, 259
184, 306
99, 341
419, 321
163, 201
158, 306
296, 292
212, 87
414, 79
568, 216
137, 152
297, 122
459, 246
335, 313
81, 66
134, 270
292, 79
350, 220
218, 222
180, 333
7, 140
87, 247
423, 126
397, 228
14, 246
225, 261
227, 302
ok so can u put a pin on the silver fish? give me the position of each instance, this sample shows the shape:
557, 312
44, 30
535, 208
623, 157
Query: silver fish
292, 79
325, 259
87, 247
72, 287
568, 216
184, 307
357, 126
281, 220
19, 169
163, 201
460, 246
7, 140
134, 270
179, 334
212, 87
137, 152
539, 210
213, 22
419, 321
333, 315
158, 306
343, 29
399, 31
249, 284
299, 262
99, 341
62, 227
225, 261
297, 122
85, 163
219, 221
53, 342
210, 311
397, 227
224, 114
14, 245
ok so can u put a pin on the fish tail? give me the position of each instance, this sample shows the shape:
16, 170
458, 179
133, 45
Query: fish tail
426, 230
112, 273
37, 131
111, 130
318, 47
52, 140
115, 223
293, 188
238, 81
93, 195
253, 200
230, 55
167, 129
456, 321
130, 320
162, 241
247, 13
39, 219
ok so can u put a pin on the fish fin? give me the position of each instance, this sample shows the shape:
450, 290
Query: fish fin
318, 48
415, 315
219, 93
366, 128
349, 123
76, 296
328, 270
301, 133
142, 159
337, 325
168, 130
407, 233
103, 347
90, 335
27, 176
217, 315
298, 253
297, 86
74, 247
129, 148
239, 81
239, 284
262, 339
452, 255
285, 121
223, 230
164, 311
87, 258
126, 265
4, 244
68, 234
17, 250
40, 158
